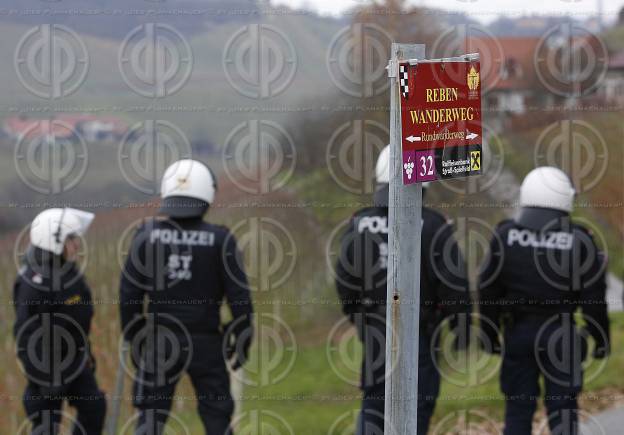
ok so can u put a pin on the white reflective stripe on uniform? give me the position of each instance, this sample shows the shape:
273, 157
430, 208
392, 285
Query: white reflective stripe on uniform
175, 237
551, 240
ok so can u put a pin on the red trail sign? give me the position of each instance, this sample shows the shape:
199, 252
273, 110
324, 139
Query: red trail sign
441, 134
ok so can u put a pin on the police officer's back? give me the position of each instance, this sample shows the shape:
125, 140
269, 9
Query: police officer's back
542, 268
54, 309
187, 269
361, 284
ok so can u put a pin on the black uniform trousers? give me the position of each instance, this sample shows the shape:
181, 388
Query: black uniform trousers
154, 389
538, 347
45, 411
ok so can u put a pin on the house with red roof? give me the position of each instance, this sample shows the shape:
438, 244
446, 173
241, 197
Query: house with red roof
21, 127
510, 81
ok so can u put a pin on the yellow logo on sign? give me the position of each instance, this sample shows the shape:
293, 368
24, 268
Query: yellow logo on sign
473, 79
475, 160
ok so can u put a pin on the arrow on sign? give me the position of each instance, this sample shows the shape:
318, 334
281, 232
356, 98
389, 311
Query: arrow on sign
412, 139
471, 135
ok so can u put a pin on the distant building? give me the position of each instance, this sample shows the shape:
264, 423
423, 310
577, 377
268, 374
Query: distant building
20, 127
525, 74
91, 128
509, 74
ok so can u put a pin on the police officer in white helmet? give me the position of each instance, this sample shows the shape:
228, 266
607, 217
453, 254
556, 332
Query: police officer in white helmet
54, 309
361, 284
186, 268
542, 268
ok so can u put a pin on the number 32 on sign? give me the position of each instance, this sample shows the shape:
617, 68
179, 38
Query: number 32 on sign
441, 133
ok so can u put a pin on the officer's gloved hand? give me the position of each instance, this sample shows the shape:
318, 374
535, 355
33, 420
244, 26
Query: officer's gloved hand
238, 337
240, 355
491, 344
601, 352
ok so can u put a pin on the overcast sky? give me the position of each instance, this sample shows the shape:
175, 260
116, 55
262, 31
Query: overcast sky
483, 10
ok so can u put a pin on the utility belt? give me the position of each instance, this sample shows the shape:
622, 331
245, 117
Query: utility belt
536, 314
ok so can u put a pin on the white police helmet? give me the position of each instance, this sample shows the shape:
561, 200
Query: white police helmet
547, 187
51, 228
546, 195
382, 168
188, 187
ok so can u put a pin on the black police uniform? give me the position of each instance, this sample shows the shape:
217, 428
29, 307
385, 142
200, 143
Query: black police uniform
361, 284
527, 288
197, 265
54, 308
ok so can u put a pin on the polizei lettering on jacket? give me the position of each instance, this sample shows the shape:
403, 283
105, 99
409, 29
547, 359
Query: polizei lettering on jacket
551, 240
177, 237
373, 224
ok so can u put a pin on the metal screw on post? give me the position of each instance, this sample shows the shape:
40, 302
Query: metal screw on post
403, 309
